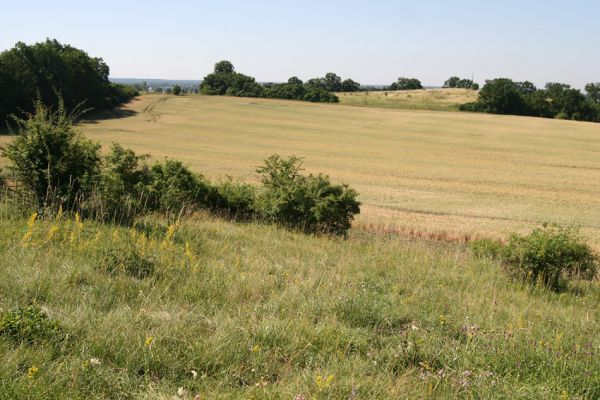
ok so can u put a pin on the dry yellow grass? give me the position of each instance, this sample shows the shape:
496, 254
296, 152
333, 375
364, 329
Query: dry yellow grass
432, 173
426, 99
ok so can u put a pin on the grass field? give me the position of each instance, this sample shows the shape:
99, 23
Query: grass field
426, 99
438, 174
231, 310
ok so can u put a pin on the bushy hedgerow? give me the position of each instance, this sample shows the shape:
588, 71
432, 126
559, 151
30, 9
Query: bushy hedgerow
548, 255
234, 199
310, 203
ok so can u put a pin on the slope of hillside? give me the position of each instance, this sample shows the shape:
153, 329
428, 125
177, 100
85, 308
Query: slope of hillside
226, 310
439, 174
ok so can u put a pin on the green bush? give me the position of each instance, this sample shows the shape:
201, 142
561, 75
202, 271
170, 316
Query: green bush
121, 194
51, 159
28, 325
173, 188
235, 199
487, 248
310, 203
127, 259
550, 255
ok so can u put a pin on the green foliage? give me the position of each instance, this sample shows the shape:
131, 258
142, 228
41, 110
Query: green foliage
556, 100
551, 254
121, 194
51, 159
126, 258
225, 81
315, 94
235, 199
29, 325
548, 255
173, 188
406, 84
41, 69
593, 92
456, 82
487, 248
349, 85
451, 82
176, 90
501, 96
310, 203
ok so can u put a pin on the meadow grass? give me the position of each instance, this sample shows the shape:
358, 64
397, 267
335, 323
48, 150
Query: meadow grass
234, 310
423, 173
424, 99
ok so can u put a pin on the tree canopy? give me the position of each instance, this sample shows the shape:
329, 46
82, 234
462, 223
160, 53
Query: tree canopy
555, 100
45, 69
456, 82
225, 81
406, 84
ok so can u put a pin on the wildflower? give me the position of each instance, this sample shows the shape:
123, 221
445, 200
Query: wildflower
181, 392
323, 381
95, 361
194, 374
32, 371
255, 348
188, 251
30, 229
149, 341
52, 231
442, 319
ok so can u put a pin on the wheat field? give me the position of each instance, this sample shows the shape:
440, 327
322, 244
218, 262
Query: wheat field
425, 173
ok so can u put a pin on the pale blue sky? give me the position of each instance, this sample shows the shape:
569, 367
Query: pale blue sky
370, 41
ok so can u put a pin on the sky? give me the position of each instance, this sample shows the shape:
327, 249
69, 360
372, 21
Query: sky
370, 41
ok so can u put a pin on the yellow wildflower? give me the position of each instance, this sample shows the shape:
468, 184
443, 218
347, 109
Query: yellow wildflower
32, 371
149, 341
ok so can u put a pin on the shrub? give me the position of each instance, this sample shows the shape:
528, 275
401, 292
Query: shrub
29, 325
50, 158
550, 254
127, 259
235, 199
121, 194
487, 248
173, 188
311, 203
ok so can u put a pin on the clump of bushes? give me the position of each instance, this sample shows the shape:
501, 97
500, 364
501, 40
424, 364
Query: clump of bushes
548, 255
30, 325
310, 203
234, 199
51, 159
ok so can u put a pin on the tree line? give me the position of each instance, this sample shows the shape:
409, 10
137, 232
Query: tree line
224, 80
555, 100
41, 70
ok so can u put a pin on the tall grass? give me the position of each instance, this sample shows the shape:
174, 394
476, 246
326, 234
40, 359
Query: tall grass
254, 311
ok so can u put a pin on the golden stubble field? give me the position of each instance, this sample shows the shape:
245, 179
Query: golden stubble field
425, 173
425, 99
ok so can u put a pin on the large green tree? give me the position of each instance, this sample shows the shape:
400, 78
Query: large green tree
41, 70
